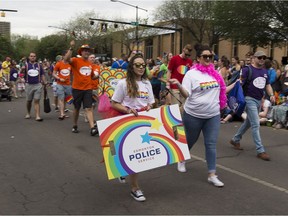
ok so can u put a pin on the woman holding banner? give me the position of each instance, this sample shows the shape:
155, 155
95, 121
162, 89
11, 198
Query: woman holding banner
205, 93
132, 95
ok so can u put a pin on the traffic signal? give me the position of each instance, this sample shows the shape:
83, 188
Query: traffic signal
103, 27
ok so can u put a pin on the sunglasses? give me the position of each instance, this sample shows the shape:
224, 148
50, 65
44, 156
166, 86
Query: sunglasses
137, 65
207, 56
261, 57
189, 50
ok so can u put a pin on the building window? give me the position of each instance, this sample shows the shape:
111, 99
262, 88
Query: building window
149, 48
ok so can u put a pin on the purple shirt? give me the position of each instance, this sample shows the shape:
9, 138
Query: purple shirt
258, 81
13, 74
34, 72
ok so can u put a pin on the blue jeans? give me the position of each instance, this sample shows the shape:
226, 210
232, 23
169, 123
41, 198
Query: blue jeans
210, 129
252, 120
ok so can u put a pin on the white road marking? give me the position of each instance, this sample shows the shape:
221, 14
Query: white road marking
262, 182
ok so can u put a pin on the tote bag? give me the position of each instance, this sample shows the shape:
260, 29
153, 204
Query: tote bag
104, 103
236, 99
47, 108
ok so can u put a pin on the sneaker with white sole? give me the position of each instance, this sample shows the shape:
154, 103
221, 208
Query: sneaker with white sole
138, 195
181, 166
122, 180
215, 181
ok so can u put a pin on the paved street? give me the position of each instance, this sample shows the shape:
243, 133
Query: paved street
46, 169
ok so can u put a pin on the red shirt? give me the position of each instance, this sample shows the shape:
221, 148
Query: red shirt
178, 67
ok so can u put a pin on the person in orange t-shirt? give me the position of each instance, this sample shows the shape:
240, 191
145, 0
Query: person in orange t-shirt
62, 74
96, 70
82, 85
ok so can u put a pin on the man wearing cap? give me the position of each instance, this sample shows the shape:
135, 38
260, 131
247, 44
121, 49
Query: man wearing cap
61, 73
254, 91
81, 85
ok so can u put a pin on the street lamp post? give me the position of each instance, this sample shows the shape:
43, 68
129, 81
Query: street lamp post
137, 20
6, 10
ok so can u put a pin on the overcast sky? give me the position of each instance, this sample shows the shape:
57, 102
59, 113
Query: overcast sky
34, 16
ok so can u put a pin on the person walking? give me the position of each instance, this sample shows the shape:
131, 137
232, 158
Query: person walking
131, 95
33, 75
62, 75
178, 66
205, 93
6, 68
254, 88
81, 85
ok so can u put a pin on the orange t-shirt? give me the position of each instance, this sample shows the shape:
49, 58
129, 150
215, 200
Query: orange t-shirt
95, 82
82, 73
63, 71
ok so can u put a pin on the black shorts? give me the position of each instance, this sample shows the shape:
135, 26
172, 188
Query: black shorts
82, 96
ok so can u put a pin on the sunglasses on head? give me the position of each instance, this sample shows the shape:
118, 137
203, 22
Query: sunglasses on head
261, 57
138, 65
207, 56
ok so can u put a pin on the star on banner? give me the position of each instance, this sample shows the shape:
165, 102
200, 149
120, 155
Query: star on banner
146, 138
156, 124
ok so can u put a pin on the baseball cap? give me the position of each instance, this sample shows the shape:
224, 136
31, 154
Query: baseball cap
58, 58
84, 46
259, 53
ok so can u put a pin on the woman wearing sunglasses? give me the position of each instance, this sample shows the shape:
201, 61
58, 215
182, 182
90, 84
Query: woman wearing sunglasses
205, 93
132, 95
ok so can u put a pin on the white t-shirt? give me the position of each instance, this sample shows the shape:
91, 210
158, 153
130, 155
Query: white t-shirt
204, 91
144, 97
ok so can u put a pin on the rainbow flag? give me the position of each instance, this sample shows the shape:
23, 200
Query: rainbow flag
69, 99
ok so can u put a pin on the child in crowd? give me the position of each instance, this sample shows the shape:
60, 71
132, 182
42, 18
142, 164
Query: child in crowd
21, 84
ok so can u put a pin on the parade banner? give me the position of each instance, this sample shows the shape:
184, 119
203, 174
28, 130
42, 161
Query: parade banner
109, 78
134, 144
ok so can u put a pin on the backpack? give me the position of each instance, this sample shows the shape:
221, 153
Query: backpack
120, 65
248, 80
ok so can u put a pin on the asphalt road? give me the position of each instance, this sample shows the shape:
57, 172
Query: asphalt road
46, 169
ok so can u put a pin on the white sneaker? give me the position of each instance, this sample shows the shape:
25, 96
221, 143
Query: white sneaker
181, 166
122, 180
215, 181
138, 195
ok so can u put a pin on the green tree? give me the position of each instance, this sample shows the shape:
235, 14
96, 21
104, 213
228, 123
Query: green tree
6, 48
23, 45
51, 46
193, 16
255, 23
